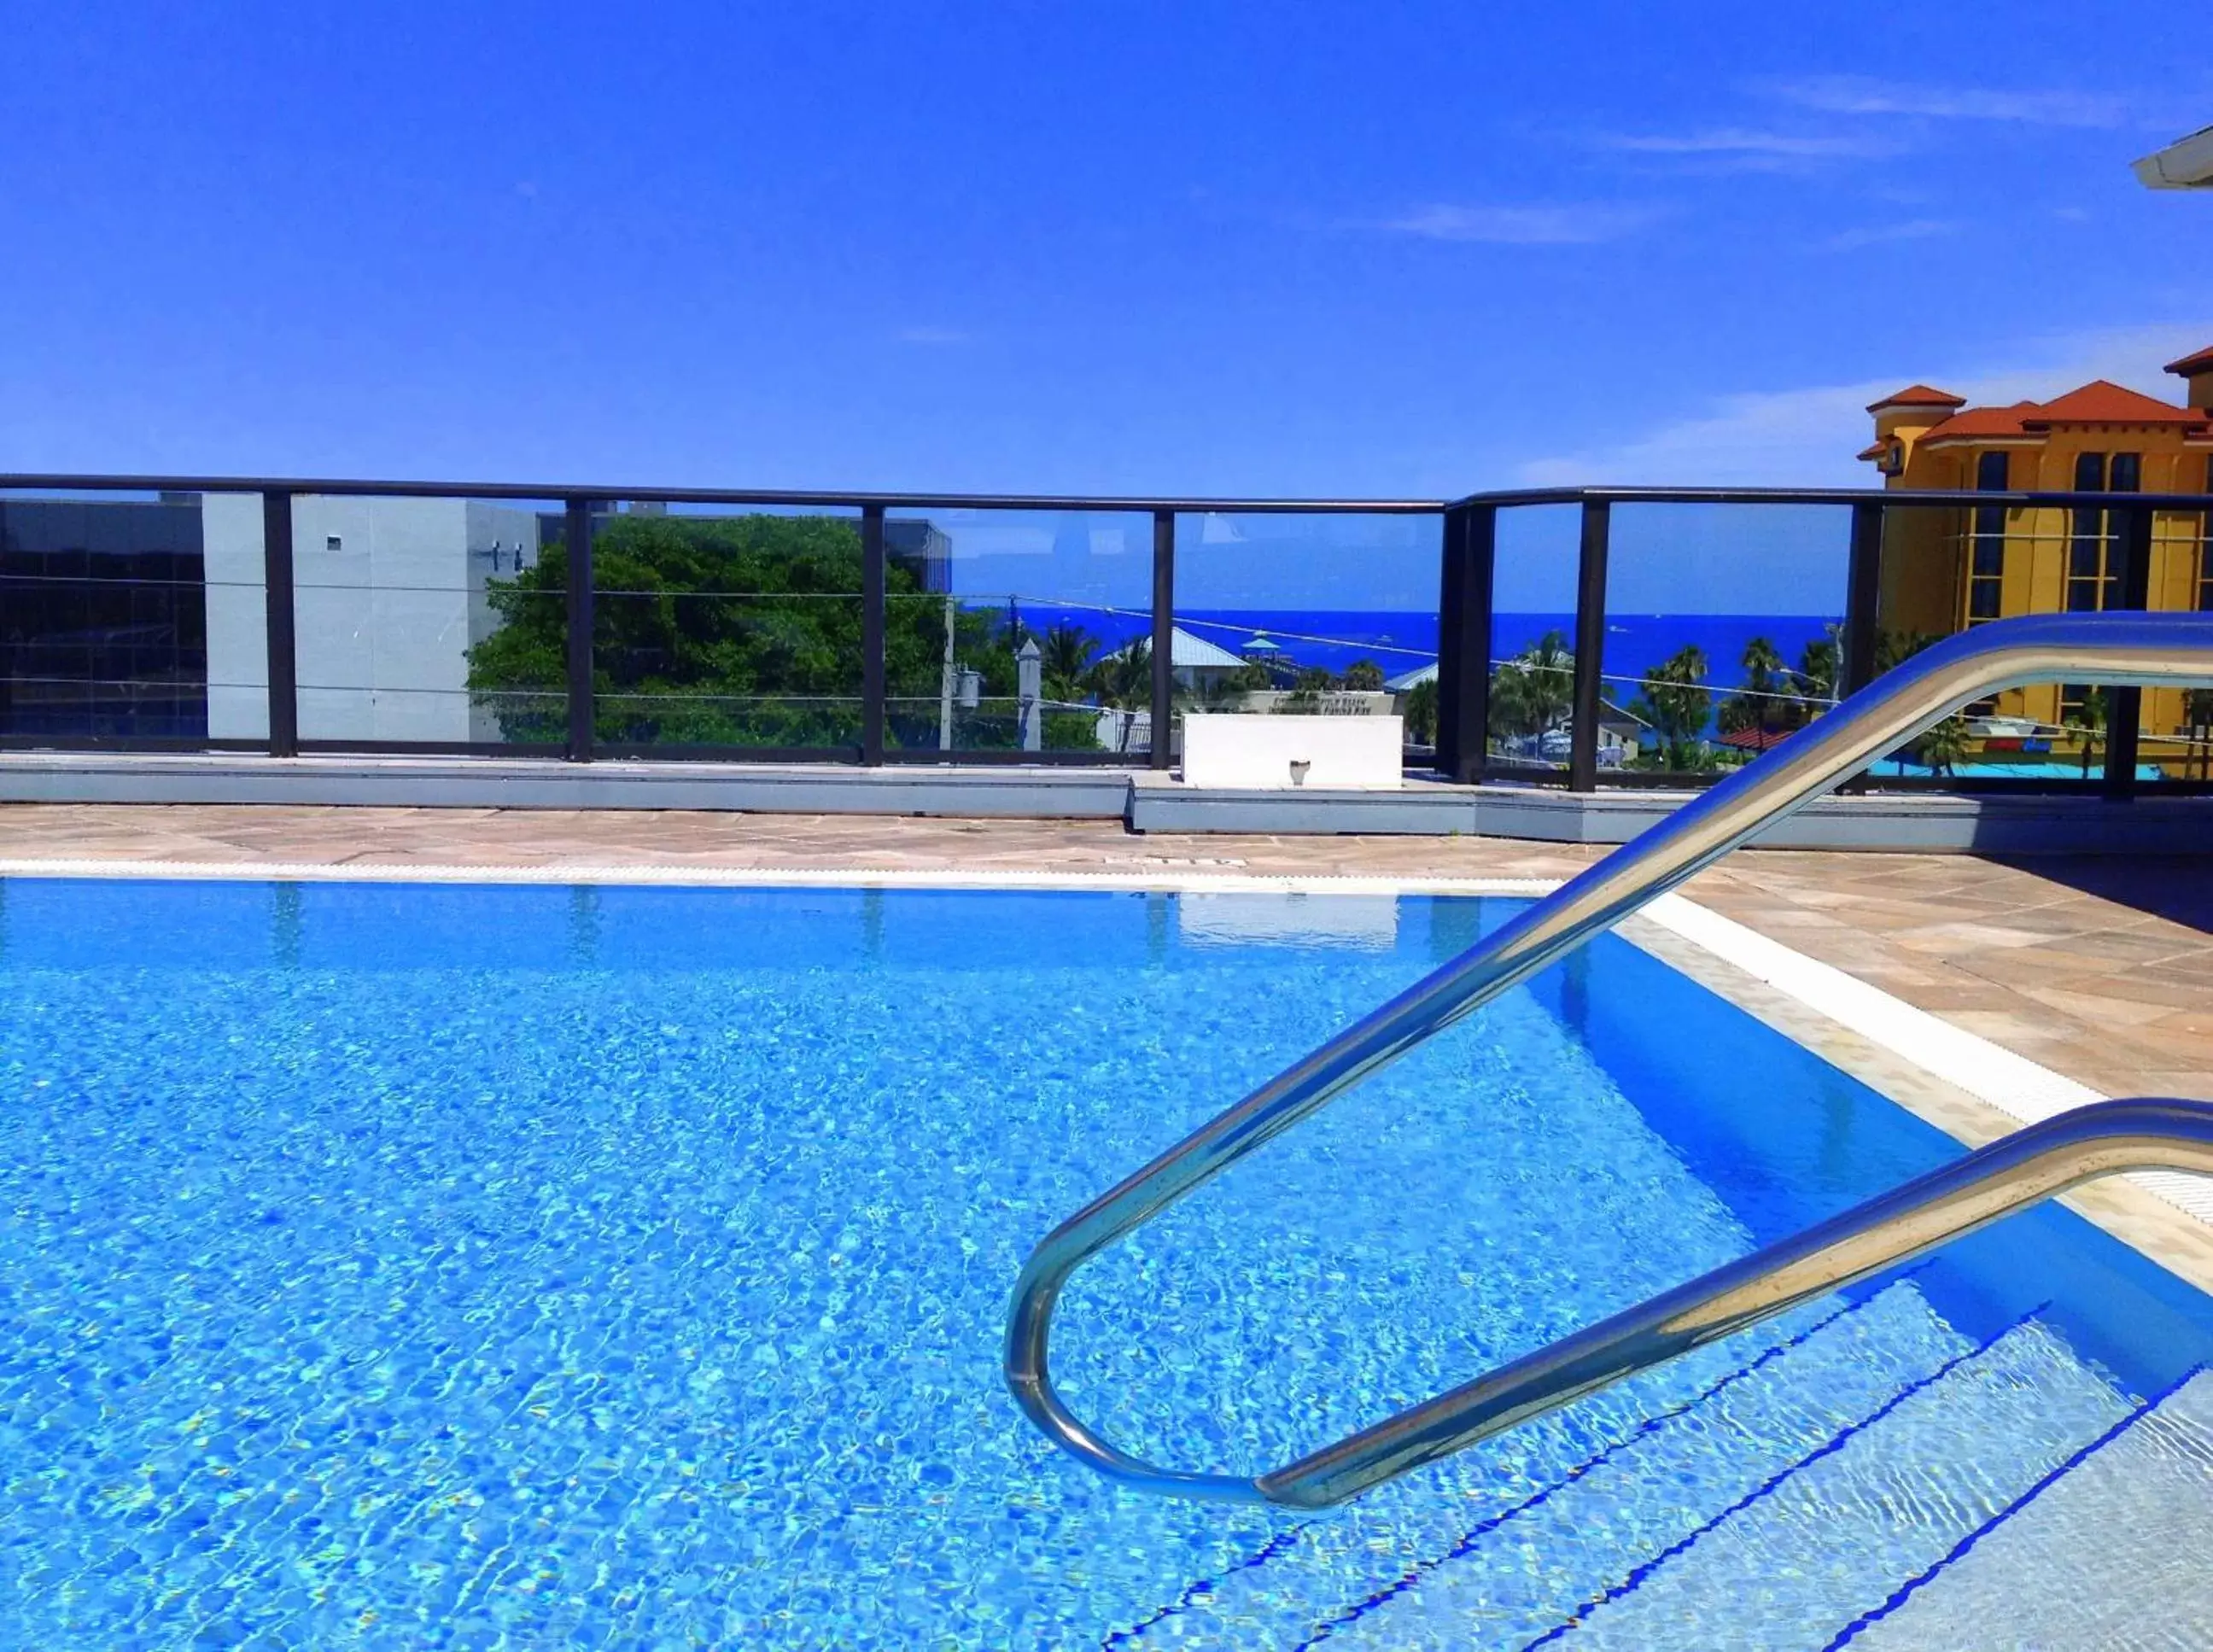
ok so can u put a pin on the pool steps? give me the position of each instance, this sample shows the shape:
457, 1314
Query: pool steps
1942, 1459
1841, 1358
2128, 1518
1940, 1441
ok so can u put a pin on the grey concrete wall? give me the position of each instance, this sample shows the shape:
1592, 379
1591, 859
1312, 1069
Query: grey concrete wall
521, 782
1145, 802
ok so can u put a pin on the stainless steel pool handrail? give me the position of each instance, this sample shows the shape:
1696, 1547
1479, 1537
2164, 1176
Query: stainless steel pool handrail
2115, 650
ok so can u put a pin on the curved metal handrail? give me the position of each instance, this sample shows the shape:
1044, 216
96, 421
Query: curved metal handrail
2116, 649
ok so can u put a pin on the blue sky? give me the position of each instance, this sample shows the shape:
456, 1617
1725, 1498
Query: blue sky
1367, 249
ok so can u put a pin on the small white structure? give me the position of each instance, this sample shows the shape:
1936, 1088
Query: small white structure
1225, 749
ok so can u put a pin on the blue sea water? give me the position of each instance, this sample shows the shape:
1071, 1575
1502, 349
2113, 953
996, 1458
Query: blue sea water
1400, 642
398, 1267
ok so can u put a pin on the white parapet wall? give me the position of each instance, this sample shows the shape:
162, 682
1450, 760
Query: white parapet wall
1228, 750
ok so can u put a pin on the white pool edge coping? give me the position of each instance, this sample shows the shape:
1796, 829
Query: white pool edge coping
2015, 1086
1167, 878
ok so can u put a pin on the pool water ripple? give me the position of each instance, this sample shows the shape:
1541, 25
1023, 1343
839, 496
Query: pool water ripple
538, 1268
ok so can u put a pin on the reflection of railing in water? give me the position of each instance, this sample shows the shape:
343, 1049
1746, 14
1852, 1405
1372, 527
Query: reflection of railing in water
2034, 1164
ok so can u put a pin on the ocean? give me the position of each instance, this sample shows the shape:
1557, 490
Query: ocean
1400, 642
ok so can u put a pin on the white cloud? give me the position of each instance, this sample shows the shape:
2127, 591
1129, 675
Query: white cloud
1524, 226
932, 336
1877, 235
1806, 437
1857, 95
1738, 140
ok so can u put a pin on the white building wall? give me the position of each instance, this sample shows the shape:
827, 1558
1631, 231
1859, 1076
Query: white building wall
389, 593
237, 616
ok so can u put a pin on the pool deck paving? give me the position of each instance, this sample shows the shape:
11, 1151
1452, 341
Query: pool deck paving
2099, 969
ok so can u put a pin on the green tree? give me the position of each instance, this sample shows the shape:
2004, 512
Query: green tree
1420, 712
1123, 681
1364, 676
1066, 653
1674, 704
1759, 703
738, 632
1894, 648
1943, 745
1820, 666
2197, 713
1530, 693
2088, 721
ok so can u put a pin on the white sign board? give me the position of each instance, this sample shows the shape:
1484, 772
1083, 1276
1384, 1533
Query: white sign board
1281, 753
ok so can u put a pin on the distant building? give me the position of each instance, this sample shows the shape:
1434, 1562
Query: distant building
1944, 570
1193, 662
389, 596
103, 619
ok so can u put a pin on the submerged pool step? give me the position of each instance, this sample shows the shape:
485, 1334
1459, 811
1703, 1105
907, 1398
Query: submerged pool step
1523, 1580
1425, 1554
1818, 1544
2108, 1555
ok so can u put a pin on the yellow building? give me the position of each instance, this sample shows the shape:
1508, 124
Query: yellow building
1945, 569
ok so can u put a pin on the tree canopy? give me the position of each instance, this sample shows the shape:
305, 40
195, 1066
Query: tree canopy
744, 631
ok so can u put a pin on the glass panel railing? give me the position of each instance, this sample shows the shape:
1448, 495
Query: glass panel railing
1725, 628
726, 628
1532, 642
1310, 613
1018, 631
2175, 740
428, 621
1948, 567
131, 616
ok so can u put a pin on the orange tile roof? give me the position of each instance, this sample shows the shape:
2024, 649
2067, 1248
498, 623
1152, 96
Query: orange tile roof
1974, 424
1875, 450
2103, 402
1918, 395
2202, 362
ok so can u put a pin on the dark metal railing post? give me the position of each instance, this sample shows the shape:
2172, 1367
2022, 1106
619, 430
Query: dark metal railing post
1464, 603
578, 545
1163, 634
1863, 599
872, 635
2124, 707
1452, 598
1590, 645
281, 623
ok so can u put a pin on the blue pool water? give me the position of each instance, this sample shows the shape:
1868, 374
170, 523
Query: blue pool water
396, 1267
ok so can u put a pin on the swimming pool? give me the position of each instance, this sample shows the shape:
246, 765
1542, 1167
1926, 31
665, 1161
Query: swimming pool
399, 1266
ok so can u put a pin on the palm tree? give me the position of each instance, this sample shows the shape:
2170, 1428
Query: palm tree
1123, 681
1819, 665
1420, 712
1944, 745
1531, 693
1762, 668
2089, 719
1674, 704
2197, 712
1068, 652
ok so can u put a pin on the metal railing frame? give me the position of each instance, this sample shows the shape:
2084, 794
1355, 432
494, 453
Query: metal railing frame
1467, 574
2119, 649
